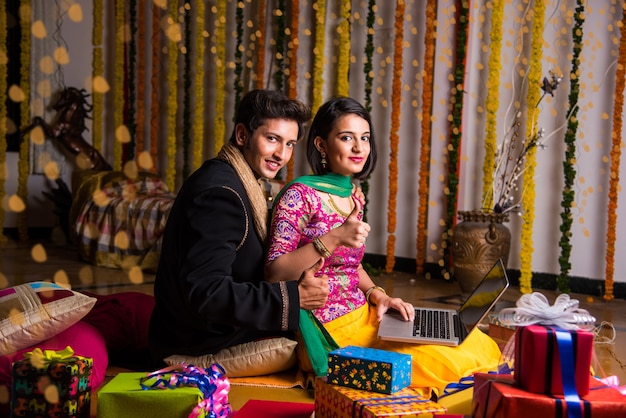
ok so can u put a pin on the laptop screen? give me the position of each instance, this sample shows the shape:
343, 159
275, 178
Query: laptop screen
484, 296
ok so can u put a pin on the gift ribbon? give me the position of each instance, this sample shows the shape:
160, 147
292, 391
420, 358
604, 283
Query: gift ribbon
211, 381
612, 382
566, 355
42, 358
534, 308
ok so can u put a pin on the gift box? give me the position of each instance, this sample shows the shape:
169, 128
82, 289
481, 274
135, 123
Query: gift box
333, 401
498, 396
369, 369
458, 402
500, 332
51, 384
538, 362
124, 397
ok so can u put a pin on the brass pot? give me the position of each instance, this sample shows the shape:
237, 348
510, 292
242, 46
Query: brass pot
478, 241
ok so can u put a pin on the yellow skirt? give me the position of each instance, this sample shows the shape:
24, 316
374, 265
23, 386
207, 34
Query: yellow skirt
434, 366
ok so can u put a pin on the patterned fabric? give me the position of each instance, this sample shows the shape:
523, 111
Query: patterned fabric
300, 217
124, 223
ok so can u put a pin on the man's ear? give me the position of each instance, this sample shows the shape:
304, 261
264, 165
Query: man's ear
241, 134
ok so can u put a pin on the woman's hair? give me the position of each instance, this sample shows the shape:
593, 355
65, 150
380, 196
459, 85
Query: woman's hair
259, 105
325, 121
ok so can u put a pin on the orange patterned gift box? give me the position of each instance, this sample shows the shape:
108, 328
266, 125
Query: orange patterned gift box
332, 401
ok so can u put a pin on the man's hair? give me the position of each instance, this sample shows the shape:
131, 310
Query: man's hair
259, 105
324, 122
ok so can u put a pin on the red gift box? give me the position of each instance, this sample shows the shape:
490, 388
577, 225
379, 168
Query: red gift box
538, 363
497, 396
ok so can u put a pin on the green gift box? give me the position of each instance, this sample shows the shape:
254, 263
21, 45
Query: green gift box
123, 397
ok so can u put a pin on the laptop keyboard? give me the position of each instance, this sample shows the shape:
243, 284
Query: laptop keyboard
432, 323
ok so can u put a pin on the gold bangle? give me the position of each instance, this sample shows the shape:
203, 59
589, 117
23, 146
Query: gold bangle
321, 248
369, 293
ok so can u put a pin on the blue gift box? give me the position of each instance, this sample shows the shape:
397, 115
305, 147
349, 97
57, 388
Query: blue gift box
369, 369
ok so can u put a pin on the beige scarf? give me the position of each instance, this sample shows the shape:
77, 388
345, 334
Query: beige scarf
233, 156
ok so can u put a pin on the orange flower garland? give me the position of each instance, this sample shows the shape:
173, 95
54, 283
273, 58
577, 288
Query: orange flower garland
154, 85
318, 53
260, 33
118, 114
528, 197
172, 99
98, 71
198, 126
24, 159
427, 105
220, 77
3, 115
141, 76
343, 62
396, 96
616, 141
293, 67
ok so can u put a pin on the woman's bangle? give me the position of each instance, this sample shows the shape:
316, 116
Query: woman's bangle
321, 248
369, 293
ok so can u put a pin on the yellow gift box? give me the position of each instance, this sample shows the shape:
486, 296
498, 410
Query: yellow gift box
332, 401
459, 402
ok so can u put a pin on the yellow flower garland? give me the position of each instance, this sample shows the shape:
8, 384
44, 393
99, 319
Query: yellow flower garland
343, 62
318, 52
198, 123
427, 105
220, 77
396, 96
154, 83
98, 71
172, 101
3, 115
493, 94
616, 141
118, 115
293, 67
528, 197
24, 159
260, 63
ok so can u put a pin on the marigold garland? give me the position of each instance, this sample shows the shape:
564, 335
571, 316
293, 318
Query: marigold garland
343, 61
220, 75
396, 96
426, 125
98, 71
24, 154
318, 53
118, 95
293, 66
280, 45
131, 83
493, 93
172, 100
369, 77
616, 151
260, 63
140, 139
238, 80
198, 119
528, 197
569, 171
186, 129
154, 86
3, 115
454, 145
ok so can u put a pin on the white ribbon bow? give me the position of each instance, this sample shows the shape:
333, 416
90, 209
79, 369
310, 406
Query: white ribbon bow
534, 308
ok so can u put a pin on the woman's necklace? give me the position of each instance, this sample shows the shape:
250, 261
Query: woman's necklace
337, 209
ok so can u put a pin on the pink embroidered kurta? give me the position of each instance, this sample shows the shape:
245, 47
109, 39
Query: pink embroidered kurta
300, 216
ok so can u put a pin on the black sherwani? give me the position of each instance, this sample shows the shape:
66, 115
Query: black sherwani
209, 289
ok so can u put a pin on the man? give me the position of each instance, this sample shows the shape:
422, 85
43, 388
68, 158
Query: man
209, 290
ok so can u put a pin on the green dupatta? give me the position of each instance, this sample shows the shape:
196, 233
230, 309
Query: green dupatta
317, 340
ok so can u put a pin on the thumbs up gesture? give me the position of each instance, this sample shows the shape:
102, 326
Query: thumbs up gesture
354, 231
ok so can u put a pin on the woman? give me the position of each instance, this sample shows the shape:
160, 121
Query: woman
321, 215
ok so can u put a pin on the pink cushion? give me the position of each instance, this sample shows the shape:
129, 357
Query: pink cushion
84, 339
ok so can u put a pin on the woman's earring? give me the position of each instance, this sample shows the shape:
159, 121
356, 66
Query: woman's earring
323, 159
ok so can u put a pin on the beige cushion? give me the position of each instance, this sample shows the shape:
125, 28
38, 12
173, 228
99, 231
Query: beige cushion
256, 358
33, 312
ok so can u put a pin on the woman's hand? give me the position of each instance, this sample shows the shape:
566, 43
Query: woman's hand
353, 232
384, 303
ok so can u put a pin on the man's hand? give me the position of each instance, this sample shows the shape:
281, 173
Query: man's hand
313, 289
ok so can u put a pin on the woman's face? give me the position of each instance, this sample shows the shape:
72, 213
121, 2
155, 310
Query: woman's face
347, 146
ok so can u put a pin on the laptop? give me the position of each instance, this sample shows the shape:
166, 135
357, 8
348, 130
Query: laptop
447, 326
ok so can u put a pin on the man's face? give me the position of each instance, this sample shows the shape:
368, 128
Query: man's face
270, 147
